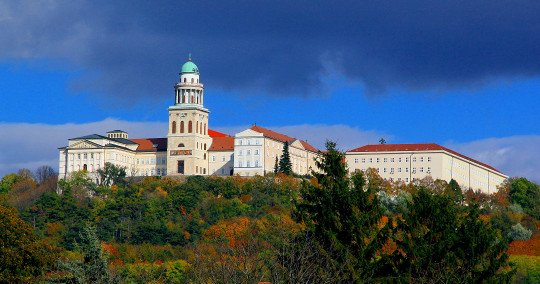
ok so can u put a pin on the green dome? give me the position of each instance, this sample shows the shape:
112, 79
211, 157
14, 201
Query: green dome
190, 67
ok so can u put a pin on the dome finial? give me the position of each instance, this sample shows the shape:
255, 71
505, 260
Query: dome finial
189, 57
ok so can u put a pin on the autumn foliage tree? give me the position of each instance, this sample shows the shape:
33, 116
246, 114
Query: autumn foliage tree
23, 256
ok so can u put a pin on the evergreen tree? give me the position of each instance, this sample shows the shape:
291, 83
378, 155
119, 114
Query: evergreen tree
93, 268
344, 216
285, 165
276, 166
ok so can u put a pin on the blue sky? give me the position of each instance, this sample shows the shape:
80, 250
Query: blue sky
462, 75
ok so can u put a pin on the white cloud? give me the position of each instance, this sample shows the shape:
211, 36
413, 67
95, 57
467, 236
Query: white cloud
514, 155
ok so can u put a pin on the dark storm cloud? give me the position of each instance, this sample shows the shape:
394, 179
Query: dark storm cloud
133, 48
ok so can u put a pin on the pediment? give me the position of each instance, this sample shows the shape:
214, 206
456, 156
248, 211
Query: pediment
84, 145
297, 144
248, 133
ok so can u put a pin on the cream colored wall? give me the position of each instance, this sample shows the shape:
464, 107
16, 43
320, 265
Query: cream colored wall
220, 163
197, 142
407, 166
249, 157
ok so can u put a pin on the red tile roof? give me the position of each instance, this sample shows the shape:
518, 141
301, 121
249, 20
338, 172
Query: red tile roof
272, 134
282, 137
222, 144
308, 146
147, 144
213, 133
415, 147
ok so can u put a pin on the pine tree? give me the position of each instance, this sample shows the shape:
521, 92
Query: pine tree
344, 216
285, 165
276, 166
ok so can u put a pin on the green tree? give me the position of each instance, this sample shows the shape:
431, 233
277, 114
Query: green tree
112, 174
285, 165
526, 194
8, 181
276, 165
441, 241
454, 190
345, 218
93, 266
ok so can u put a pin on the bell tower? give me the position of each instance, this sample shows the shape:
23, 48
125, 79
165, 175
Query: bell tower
188, 140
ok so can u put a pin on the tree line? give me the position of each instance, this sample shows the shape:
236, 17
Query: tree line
332, 227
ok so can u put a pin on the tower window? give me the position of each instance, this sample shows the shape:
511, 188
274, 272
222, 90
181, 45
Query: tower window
197, 127
190, 127
173, 127
181, 145
192, 81
181, 127
185, 80
204, 146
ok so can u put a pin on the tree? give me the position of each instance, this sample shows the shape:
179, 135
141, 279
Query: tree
8, 181
43, 173
526, 194
276, 166
285, 165
345, 218
23, 256
454, 190
25, 174
93, 267
112, 174
439, 241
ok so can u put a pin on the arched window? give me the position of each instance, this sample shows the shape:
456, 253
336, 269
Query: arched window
192, 80
181, 145
85, 167
192, 101
181, 127
190, 127
184, 80
205, 156
197, 127
204, 146
173, 127
205, 133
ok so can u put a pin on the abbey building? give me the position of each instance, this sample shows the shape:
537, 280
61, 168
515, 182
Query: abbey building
192, 148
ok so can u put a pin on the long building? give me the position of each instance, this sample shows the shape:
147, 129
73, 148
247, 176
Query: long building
407, 162
192, 148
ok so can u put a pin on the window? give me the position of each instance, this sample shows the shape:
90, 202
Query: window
85, 156
414, 159
406, 170
240, 153
173, 127
363, 160
190, 127
181, 145
356, 161
222, 171
385, 160
391, 170
378, 160
91, 155
428, 170
421, 159
204, 156
429, 159
399, 170
371, 160
384, 170
223, 158
406, 179
421, 169
256, 152
399, 160
256, 163
407, 160
248, 152
204, 146
413, 170
213, 158
181, 167
192, 81
181, 127
248, 164
391, 160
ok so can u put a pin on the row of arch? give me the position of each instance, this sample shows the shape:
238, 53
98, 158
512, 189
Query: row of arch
189, 96
200, 128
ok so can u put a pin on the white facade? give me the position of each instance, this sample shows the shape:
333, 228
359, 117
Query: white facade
407, 162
